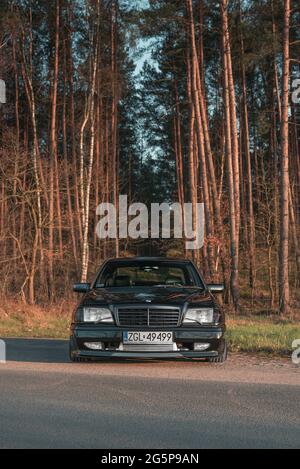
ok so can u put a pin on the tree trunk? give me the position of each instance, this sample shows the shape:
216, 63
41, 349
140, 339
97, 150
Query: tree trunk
234, 239
53, 149
251, 221
85, 246
284, 293
114, 119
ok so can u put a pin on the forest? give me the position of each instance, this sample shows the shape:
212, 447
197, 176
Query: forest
165, 101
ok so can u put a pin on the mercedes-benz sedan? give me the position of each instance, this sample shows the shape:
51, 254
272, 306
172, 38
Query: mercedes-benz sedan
148, 308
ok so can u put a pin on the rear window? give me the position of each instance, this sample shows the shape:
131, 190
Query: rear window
145, 274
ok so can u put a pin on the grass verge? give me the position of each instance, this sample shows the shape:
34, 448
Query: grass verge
252, 334
262, 335
19, 320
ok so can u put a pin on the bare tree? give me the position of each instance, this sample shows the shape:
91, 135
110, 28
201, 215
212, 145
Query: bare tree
86, 218
231, 155
284, 291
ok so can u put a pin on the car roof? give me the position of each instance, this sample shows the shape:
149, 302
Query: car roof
149, 259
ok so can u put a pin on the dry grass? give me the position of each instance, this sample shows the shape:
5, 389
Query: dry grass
21, 320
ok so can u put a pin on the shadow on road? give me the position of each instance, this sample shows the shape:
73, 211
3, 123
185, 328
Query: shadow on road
56, 351
37, 350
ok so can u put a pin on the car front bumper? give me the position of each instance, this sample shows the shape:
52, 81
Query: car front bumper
112, 337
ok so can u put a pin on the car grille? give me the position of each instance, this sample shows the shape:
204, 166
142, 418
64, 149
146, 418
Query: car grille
148, 317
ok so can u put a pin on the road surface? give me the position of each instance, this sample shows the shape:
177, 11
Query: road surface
47, 402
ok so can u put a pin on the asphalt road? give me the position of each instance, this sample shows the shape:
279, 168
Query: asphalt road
47, 402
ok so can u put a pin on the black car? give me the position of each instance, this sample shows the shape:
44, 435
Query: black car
148, 308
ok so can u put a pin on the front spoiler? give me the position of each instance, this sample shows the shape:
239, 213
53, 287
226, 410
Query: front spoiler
150, 355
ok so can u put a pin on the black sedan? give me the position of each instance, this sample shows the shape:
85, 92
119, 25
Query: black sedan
148, 308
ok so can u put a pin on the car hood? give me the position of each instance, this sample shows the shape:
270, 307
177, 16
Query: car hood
155, 295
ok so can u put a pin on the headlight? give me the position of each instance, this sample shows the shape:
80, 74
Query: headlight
97, 315
201, 316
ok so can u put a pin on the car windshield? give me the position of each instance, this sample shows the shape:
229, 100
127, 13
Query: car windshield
145, 275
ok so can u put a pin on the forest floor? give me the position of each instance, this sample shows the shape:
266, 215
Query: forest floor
252, 333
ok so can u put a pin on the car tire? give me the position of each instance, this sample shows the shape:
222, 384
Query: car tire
73, 358
223, 354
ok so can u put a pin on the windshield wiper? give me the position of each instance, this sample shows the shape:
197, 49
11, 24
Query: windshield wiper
165, 285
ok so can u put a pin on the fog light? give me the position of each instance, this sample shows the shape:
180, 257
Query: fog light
94, 345
200, 347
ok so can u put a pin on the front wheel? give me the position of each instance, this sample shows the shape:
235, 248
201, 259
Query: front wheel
223, 354
72, 355
74, 358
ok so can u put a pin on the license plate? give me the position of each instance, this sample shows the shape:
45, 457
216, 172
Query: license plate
148, 338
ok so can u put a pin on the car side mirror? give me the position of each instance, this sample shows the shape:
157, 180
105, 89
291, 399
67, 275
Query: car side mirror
216, 288
82, 287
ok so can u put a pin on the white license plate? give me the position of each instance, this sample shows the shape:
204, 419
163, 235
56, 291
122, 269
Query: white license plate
148, 337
